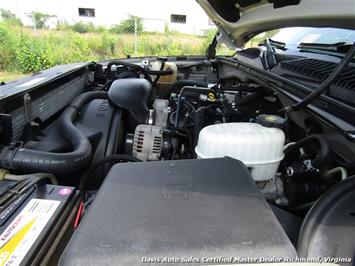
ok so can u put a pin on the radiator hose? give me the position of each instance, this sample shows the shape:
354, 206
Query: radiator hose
27, 160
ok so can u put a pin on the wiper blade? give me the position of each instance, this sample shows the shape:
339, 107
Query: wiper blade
340, 47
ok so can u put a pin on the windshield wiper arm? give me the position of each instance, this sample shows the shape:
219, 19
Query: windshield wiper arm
277, 44
326, 83
211, 49
270, 59
274, 44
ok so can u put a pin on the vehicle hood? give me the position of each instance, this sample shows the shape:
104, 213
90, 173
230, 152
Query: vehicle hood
240, 20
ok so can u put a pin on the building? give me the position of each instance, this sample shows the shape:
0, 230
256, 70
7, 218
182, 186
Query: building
183, 15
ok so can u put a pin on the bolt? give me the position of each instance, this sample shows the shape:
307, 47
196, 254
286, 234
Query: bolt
290, 171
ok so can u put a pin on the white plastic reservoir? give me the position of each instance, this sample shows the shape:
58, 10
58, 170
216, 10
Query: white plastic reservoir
259, 148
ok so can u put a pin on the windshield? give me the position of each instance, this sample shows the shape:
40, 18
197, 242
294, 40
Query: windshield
295, 36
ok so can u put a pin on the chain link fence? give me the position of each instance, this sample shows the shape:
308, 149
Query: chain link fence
46, 40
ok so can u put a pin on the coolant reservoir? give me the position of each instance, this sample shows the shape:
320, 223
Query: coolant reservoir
168, 79
259, 148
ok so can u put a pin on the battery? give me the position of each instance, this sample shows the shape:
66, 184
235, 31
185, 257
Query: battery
31, 227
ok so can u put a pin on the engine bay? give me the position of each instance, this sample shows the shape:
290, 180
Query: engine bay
137, 140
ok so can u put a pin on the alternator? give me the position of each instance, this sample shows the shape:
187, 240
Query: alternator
148, 142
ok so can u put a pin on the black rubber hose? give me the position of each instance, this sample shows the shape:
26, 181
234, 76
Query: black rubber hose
292, 152
247, 99
160, 72
181, 83
319, 210
162, 64
27, 160
118, 62
146, 72
113, 158
199, 122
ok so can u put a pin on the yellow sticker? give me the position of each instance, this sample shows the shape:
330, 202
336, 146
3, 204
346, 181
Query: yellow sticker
12, 243
23, 231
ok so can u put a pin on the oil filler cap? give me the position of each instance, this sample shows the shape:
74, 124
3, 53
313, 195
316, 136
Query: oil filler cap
271, 121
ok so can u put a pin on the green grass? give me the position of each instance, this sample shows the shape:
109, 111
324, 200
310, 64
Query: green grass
9, 76
25, 50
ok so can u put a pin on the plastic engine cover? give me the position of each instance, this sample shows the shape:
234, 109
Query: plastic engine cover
184, 209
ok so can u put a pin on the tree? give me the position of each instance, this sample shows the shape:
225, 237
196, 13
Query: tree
39, 19
9, 17
128, 26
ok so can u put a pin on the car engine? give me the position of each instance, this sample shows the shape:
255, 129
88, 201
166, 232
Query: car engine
183, 158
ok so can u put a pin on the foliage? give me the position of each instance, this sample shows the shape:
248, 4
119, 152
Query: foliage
271, 33
25, 50
8, 76
221, 48
10, 18
39, 19
82, 27
33, 56
63, 26
128, 26
208, 37
261, 37
6, 47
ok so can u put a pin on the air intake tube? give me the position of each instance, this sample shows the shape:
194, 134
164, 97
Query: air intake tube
27, 160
